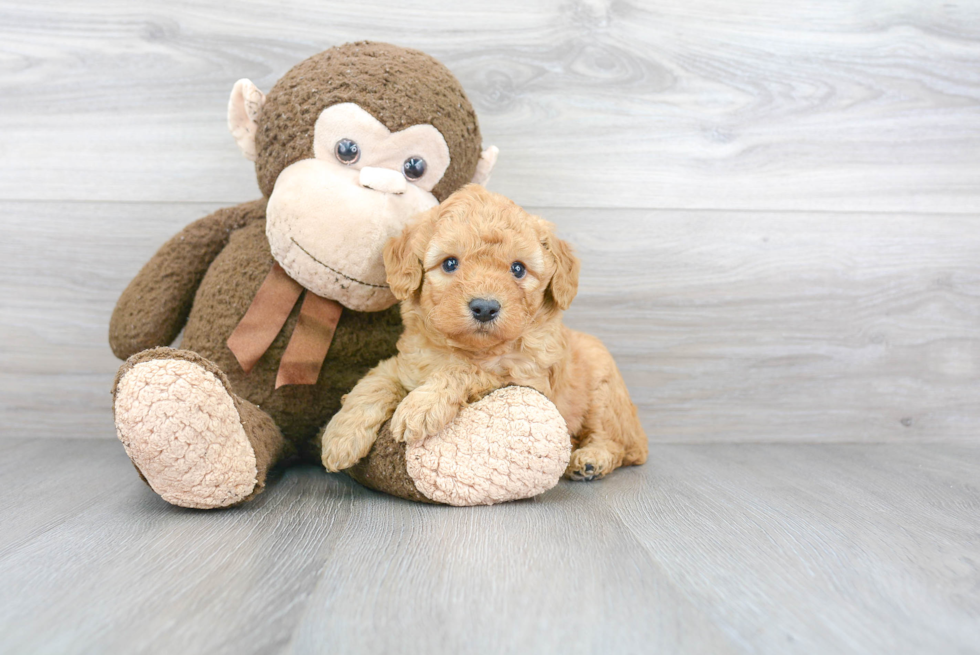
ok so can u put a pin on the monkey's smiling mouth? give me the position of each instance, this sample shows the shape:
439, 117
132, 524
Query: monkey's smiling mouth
331, 268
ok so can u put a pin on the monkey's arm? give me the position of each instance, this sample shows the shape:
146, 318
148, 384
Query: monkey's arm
154, 307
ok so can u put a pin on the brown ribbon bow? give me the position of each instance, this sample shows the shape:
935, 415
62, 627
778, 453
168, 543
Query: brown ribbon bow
267, 314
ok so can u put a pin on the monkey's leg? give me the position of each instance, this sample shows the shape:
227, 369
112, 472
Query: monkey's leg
192, 440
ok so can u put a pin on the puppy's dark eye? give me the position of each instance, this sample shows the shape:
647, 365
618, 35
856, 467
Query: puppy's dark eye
414, 168
347, 151
450, 265
518, 270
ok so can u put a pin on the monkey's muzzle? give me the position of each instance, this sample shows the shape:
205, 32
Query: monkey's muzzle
384, 180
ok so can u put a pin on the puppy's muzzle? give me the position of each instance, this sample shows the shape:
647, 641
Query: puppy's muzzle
484, 309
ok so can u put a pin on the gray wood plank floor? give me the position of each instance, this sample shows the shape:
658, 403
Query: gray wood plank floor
739, 548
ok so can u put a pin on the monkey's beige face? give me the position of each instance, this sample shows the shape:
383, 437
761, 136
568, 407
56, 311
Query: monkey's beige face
328, 217
485, 277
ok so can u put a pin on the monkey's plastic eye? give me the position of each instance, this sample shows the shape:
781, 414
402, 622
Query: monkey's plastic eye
450, 264
347, 151
518, 270
414, 168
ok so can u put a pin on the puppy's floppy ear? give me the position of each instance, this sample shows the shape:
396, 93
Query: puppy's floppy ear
564, 283
403, 255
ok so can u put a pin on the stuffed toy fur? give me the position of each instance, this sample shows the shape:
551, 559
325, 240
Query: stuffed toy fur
283, 301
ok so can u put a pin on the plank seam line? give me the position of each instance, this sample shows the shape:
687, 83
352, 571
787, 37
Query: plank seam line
532, 207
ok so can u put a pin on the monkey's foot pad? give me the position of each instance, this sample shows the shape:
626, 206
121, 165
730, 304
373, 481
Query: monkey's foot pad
512, 444
181, 429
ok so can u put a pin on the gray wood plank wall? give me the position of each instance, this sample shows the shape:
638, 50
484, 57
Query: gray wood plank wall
775, 203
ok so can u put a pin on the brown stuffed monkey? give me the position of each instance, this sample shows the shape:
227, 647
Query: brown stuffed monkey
283, 301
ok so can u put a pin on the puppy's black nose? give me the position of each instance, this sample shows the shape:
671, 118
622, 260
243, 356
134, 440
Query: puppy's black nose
484, 309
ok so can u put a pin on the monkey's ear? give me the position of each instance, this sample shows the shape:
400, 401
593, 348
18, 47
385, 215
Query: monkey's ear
244, 107
484, 167
564, 283
403, 255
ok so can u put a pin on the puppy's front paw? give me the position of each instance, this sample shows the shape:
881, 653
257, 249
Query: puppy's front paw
590, 463
421, 414
344, 444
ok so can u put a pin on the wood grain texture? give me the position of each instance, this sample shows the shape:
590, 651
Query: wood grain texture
776, 208
62, 268
728, 326
677, 104
746, 327
706, 549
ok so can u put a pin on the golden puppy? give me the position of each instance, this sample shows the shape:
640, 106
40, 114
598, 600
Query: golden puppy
483, 285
